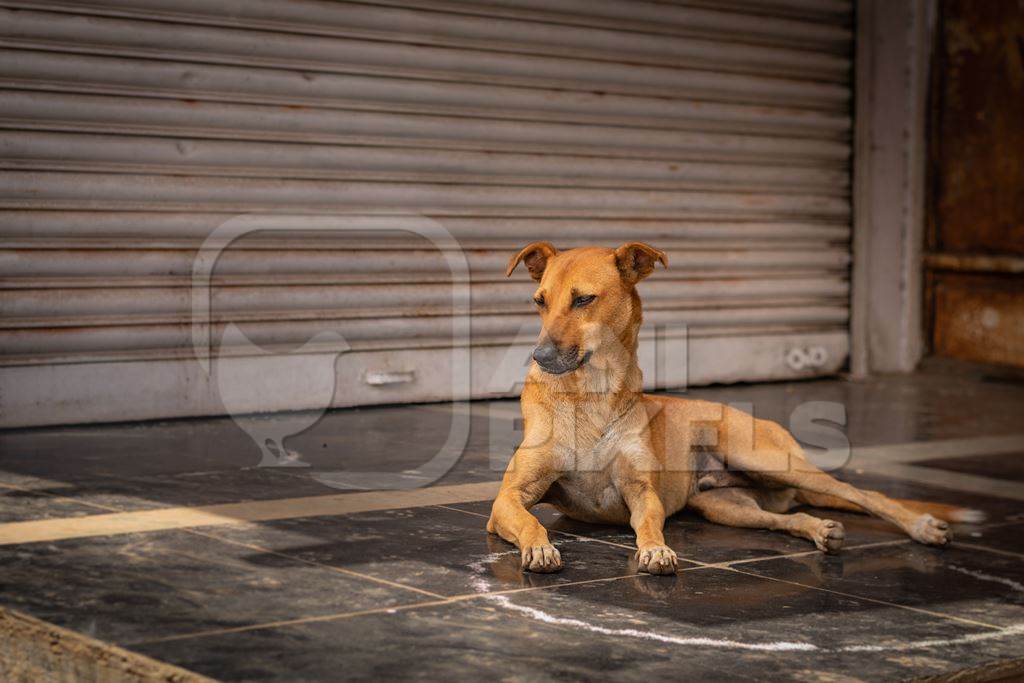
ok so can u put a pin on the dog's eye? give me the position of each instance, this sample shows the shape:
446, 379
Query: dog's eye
539, 300
581, 301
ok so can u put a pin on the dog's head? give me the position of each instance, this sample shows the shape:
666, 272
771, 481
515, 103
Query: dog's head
587, 300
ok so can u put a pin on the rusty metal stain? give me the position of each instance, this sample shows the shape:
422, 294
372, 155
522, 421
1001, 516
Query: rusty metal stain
976, 267
980, 317
980, 170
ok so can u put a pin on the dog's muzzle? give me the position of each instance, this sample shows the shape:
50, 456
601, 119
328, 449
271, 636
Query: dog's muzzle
558, 362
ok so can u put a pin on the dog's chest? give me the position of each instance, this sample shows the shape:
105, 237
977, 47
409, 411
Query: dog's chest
590, 497
586, 489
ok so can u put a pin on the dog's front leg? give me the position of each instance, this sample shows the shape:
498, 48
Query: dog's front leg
647, 517
527, 479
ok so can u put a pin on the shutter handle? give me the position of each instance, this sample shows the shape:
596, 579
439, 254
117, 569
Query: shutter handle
385, 378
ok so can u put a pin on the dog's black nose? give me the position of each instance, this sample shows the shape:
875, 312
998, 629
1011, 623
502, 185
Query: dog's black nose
545, 354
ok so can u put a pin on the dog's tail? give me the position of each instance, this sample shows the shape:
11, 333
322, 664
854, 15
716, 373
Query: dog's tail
948, 513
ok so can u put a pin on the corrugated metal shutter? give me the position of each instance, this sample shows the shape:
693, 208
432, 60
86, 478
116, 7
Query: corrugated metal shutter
131, 129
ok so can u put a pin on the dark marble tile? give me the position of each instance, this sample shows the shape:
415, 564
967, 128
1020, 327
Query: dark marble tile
960, 582
18, 505
1007, 538
396, 439
1001, 466
439, 550
124, 450
214, 460
139, 586
196, 488
351, 437
705, 624
188, 489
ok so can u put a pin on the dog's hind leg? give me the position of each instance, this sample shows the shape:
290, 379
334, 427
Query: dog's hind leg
776, 458
739, 507
949, 513
824, 500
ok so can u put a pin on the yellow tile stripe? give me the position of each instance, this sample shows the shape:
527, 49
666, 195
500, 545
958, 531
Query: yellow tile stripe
162, 519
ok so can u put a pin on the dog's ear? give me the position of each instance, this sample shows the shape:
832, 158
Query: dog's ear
535, 256
636, 260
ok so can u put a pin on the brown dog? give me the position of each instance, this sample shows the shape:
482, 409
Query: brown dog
600, 450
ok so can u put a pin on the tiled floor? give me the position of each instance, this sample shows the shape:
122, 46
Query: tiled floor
421, 591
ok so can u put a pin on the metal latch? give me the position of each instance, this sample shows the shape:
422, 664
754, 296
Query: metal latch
810, 357
383, 378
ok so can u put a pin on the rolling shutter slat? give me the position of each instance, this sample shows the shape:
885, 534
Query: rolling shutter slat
131, 129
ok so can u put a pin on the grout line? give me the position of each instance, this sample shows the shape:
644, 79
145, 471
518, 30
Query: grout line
195, 532
766, 558
182, 517
465, 512
288, 622
57, 496
723, 564
313, 563
568, 584
386, 610
589, 539
921, 610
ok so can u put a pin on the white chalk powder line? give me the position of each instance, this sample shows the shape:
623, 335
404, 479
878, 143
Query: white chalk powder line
540, 615
776, 646
982, 576
1011, 630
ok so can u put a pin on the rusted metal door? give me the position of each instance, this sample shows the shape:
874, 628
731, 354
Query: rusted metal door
976, 250
132, 129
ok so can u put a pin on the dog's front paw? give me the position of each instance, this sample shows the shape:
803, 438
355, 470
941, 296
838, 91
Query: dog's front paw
656, 559
828, 536
541, 558
930, 531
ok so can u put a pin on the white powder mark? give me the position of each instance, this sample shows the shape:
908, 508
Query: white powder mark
1015, 585
1012, 630
779, 646
776, 646
479, 569
481, 586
